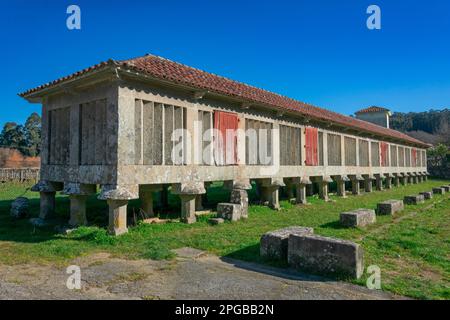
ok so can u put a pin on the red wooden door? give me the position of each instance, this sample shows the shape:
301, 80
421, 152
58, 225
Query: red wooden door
414, 158
225, 140
311, 147
384, 154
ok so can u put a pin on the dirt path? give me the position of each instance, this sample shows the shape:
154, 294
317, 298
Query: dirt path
192, 275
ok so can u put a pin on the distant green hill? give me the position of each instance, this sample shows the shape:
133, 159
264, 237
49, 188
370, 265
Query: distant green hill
431, 126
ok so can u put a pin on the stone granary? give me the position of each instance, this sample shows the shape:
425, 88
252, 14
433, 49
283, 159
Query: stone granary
127, 128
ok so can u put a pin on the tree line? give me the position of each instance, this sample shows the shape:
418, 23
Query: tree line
26, 138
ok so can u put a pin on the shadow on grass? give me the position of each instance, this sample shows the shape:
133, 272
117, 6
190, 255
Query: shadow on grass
333, 225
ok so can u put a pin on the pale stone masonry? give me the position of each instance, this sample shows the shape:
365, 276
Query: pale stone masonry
325, 256
110, 130
357, 218
390, 207
274, 244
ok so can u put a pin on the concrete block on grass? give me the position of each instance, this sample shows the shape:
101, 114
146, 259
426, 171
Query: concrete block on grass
414, 199
427, 194
390, 207
446, 188
357, 218
325, 256
274, 244
438, 190
229, 211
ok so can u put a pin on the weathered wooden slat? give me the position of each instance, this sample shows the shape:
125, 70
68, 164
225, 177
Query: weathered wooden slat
168, 130
179, 125
138, 152
147, 132
158, 134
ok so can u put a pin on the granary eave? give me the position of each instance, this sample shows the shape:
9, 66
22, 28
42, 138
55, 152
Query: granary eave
72, 83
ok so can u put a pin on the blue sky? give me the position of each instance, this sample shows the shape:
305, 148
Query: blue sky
315, 51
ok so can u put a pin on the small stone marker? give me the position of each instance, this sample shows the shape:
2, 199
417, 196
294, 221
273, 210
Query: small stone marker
215, 221
274, 244
357, 218
229, 211
446, 188
427, 194
325, 256
390, 207
19, 208
438, 190
414, 199
240, 197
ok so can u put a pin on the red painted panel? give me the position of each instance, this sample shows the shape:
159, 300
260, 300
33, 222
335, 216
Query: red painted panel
226, 125
414, 158
384, 156
311, 147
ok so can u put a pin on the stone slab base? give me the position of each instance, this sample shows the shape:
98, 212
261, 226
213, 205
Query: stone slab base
427, 195
274, 244
414, 199
358, 218
390, 207
325, 256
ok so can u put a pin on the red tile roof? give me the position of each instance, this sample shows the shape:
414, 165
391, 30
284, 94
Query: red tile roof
372, 109
164, 69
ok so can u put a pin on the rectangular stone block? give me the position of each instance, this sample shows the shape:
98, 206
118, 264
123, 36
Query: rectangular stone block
390, 207
438, 190
414, 199
358, 218
274, 244
229, 211
446, 188
325, 256
427, 194
240, 197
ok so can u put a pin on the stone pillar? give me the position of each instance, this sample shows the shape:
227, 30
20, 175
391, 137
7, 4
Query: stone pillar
270, 191
117, 217
323, 188
414, 179
425, 177
388, 181
78, 194
47, 191
340, 180
355, 187
368, 183
117, 197
47, 205
188, 193
270, 195
78, 210
396, 180
301, 184
379, 182
188, 208
239, 195
404, 180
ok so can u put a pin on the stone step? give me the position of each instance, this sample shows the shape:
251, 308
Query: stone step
414, 199
390, 207
274, 244
325, 256
358, 218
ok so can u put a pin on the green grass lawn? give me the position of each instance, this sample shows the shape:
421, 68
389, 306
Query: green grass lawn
412, 249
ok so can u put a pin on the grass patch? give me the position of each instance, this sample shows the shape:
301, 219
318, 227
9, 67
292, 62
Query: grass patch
412, 249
